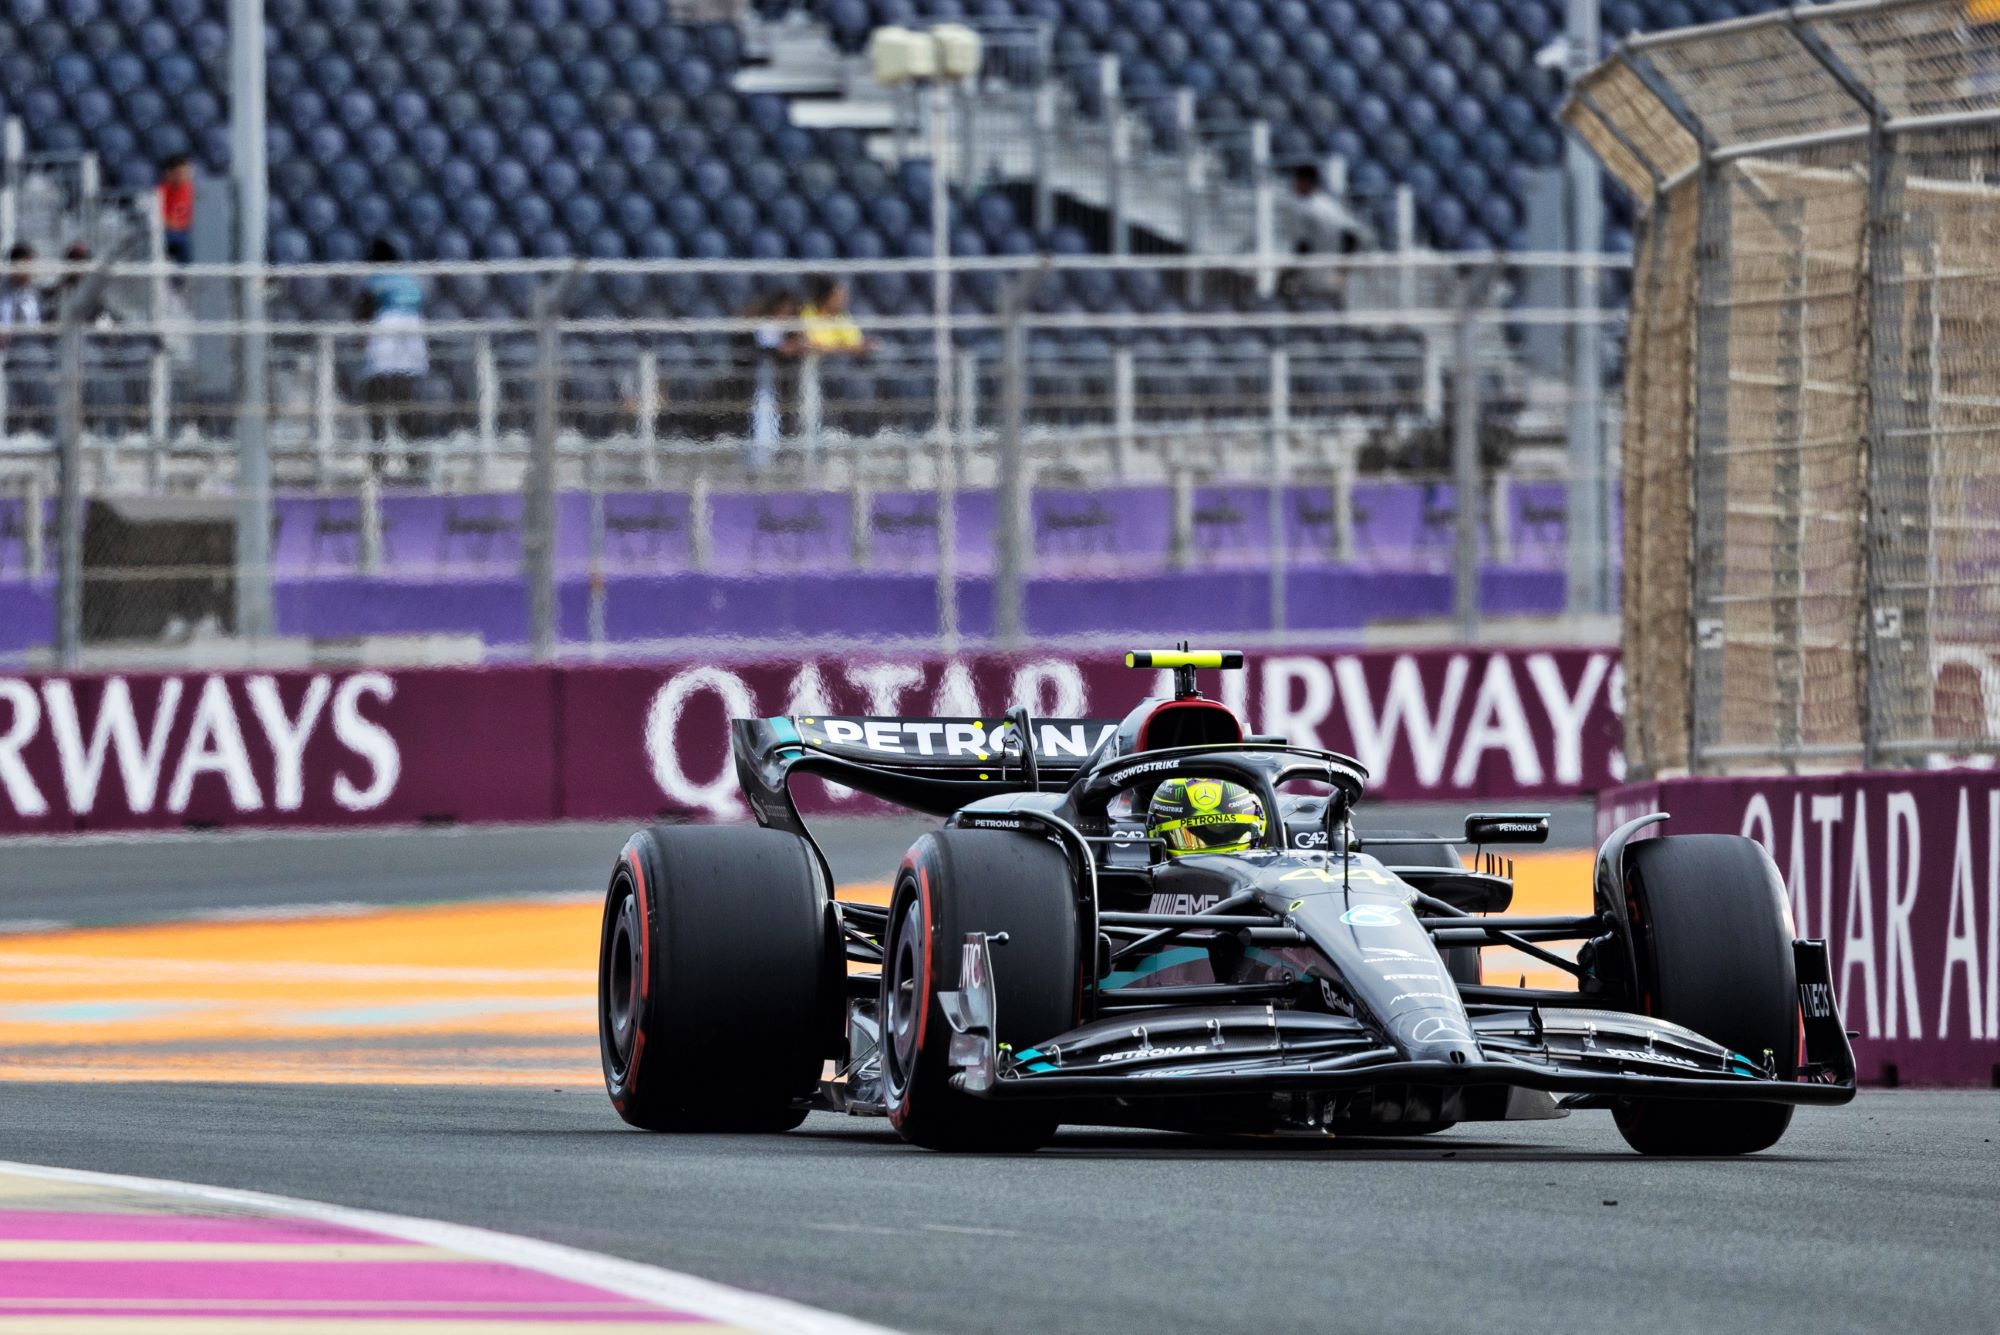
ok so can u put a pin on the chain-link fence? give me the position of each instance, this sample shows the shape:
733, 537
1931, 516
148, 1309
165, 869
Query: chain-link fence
452, 462
1812, 508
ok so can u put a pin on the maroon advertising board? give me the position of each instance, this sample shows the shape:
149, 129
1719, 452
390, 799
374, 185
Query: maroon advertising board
379, 746
162, 751
1900, 874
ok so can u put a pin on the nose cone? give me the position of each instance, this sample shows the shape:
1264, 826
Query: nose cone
1438, 1034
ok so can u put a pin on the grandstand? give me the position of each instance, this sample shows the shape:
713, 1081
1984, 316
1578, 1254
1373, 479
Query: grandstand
746, 144
494, 129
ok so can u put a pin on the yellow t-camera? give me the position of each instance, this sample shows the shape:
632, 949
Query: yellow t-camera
1184, 658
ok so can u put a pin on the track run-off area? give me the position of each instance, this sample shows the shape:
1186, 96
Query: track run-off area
404, 1023
476, 993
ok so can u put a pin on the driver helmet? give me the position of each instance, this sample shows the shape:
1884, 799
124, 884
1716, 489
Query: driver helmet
1204, 816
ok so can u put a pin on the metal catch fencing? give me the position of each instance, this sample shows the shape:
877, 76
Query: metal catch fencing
593, 458
1812, 507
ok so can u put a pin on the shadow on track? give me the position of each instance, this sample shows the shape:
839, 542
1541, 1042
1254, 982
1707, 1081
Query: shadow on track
1113, 1145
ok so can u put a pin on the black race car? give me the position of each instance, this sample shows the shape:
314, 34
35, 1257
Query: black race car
1043, 959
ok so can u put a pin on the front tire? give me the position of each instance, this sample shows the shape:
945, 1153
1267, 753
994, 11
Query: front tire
714, 989
1714, 951
952, 883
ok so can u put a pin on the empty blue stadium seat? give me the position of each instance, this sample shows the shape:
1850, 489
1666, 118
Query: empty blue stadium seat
582, 215
378, 144
560, 181
434, 76
93, 108
841, 212
424, 214
407, 103
685, 216
499, 244
401, 179
891, 214
476, 212
481, 143
318, 214
658, 243
348, 177
431, 146
371, 215
737, 216
534, 145
531, 214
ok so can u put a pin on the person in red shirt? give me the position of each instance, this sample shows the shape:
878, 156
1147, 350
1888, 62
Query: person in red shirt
177, 205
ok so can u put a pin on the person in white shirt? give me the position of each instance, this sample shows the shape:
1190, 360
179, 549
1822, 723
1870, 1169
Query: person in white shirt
21, 308
1322, 225
777, 346
392, 305
20, 302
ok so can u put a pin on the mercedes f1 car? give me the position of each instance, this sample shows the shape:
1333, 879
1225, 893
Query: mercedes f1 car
1049, 955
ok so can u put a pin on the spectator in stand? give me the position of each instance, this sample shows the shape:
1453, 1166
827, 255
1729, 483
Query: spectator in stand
20, 302
177, 205
392, 305
77, 255
1322, 225
828, 328
27, 373
777, 345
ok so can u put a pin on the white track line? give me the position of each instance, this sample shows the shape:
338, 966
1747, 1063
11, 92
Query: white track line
631, 1279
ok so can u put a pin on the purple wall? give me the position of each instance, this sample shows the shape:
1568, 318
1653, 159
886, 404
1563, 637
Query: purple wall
785, 564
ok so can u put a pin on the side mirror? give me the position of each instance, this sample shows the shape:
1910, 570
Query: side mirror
1507, 827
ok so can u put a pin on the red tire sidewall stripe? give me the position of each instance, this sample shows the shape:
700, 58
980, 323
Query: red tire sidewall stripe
645, 966
930, 962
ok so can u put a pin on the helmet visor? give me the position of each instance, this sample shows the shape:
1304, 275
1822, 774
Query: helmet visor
1210, 831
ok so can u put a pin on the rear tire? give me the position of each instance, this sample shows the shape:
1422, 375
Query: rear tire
714, 989
954, 882
1714, 953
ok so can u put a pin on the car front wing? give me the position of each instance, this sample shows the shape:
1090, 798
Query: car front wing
1576, 1050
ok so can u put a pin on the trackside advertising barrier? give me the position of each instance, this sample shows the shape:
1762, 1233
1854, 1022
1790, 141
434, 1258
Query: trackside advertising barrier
331, 748
1900, 873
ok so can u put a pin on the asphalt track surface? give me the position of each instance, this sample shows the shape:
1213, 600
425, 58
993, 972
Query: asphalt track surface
102, 880
1876, 1216
1871, 1218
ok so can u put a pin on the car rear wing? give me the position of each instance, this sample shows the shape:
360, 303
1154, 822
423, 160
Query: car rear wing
933, 765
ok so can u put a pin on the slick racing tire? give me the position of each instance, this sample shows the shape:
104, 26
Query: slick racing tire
715, 985
1714, 952
954, 882
1461, 962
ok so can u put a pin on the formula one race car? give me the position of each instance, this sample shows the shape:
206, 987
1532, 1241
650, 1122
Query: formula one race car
1163, 922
